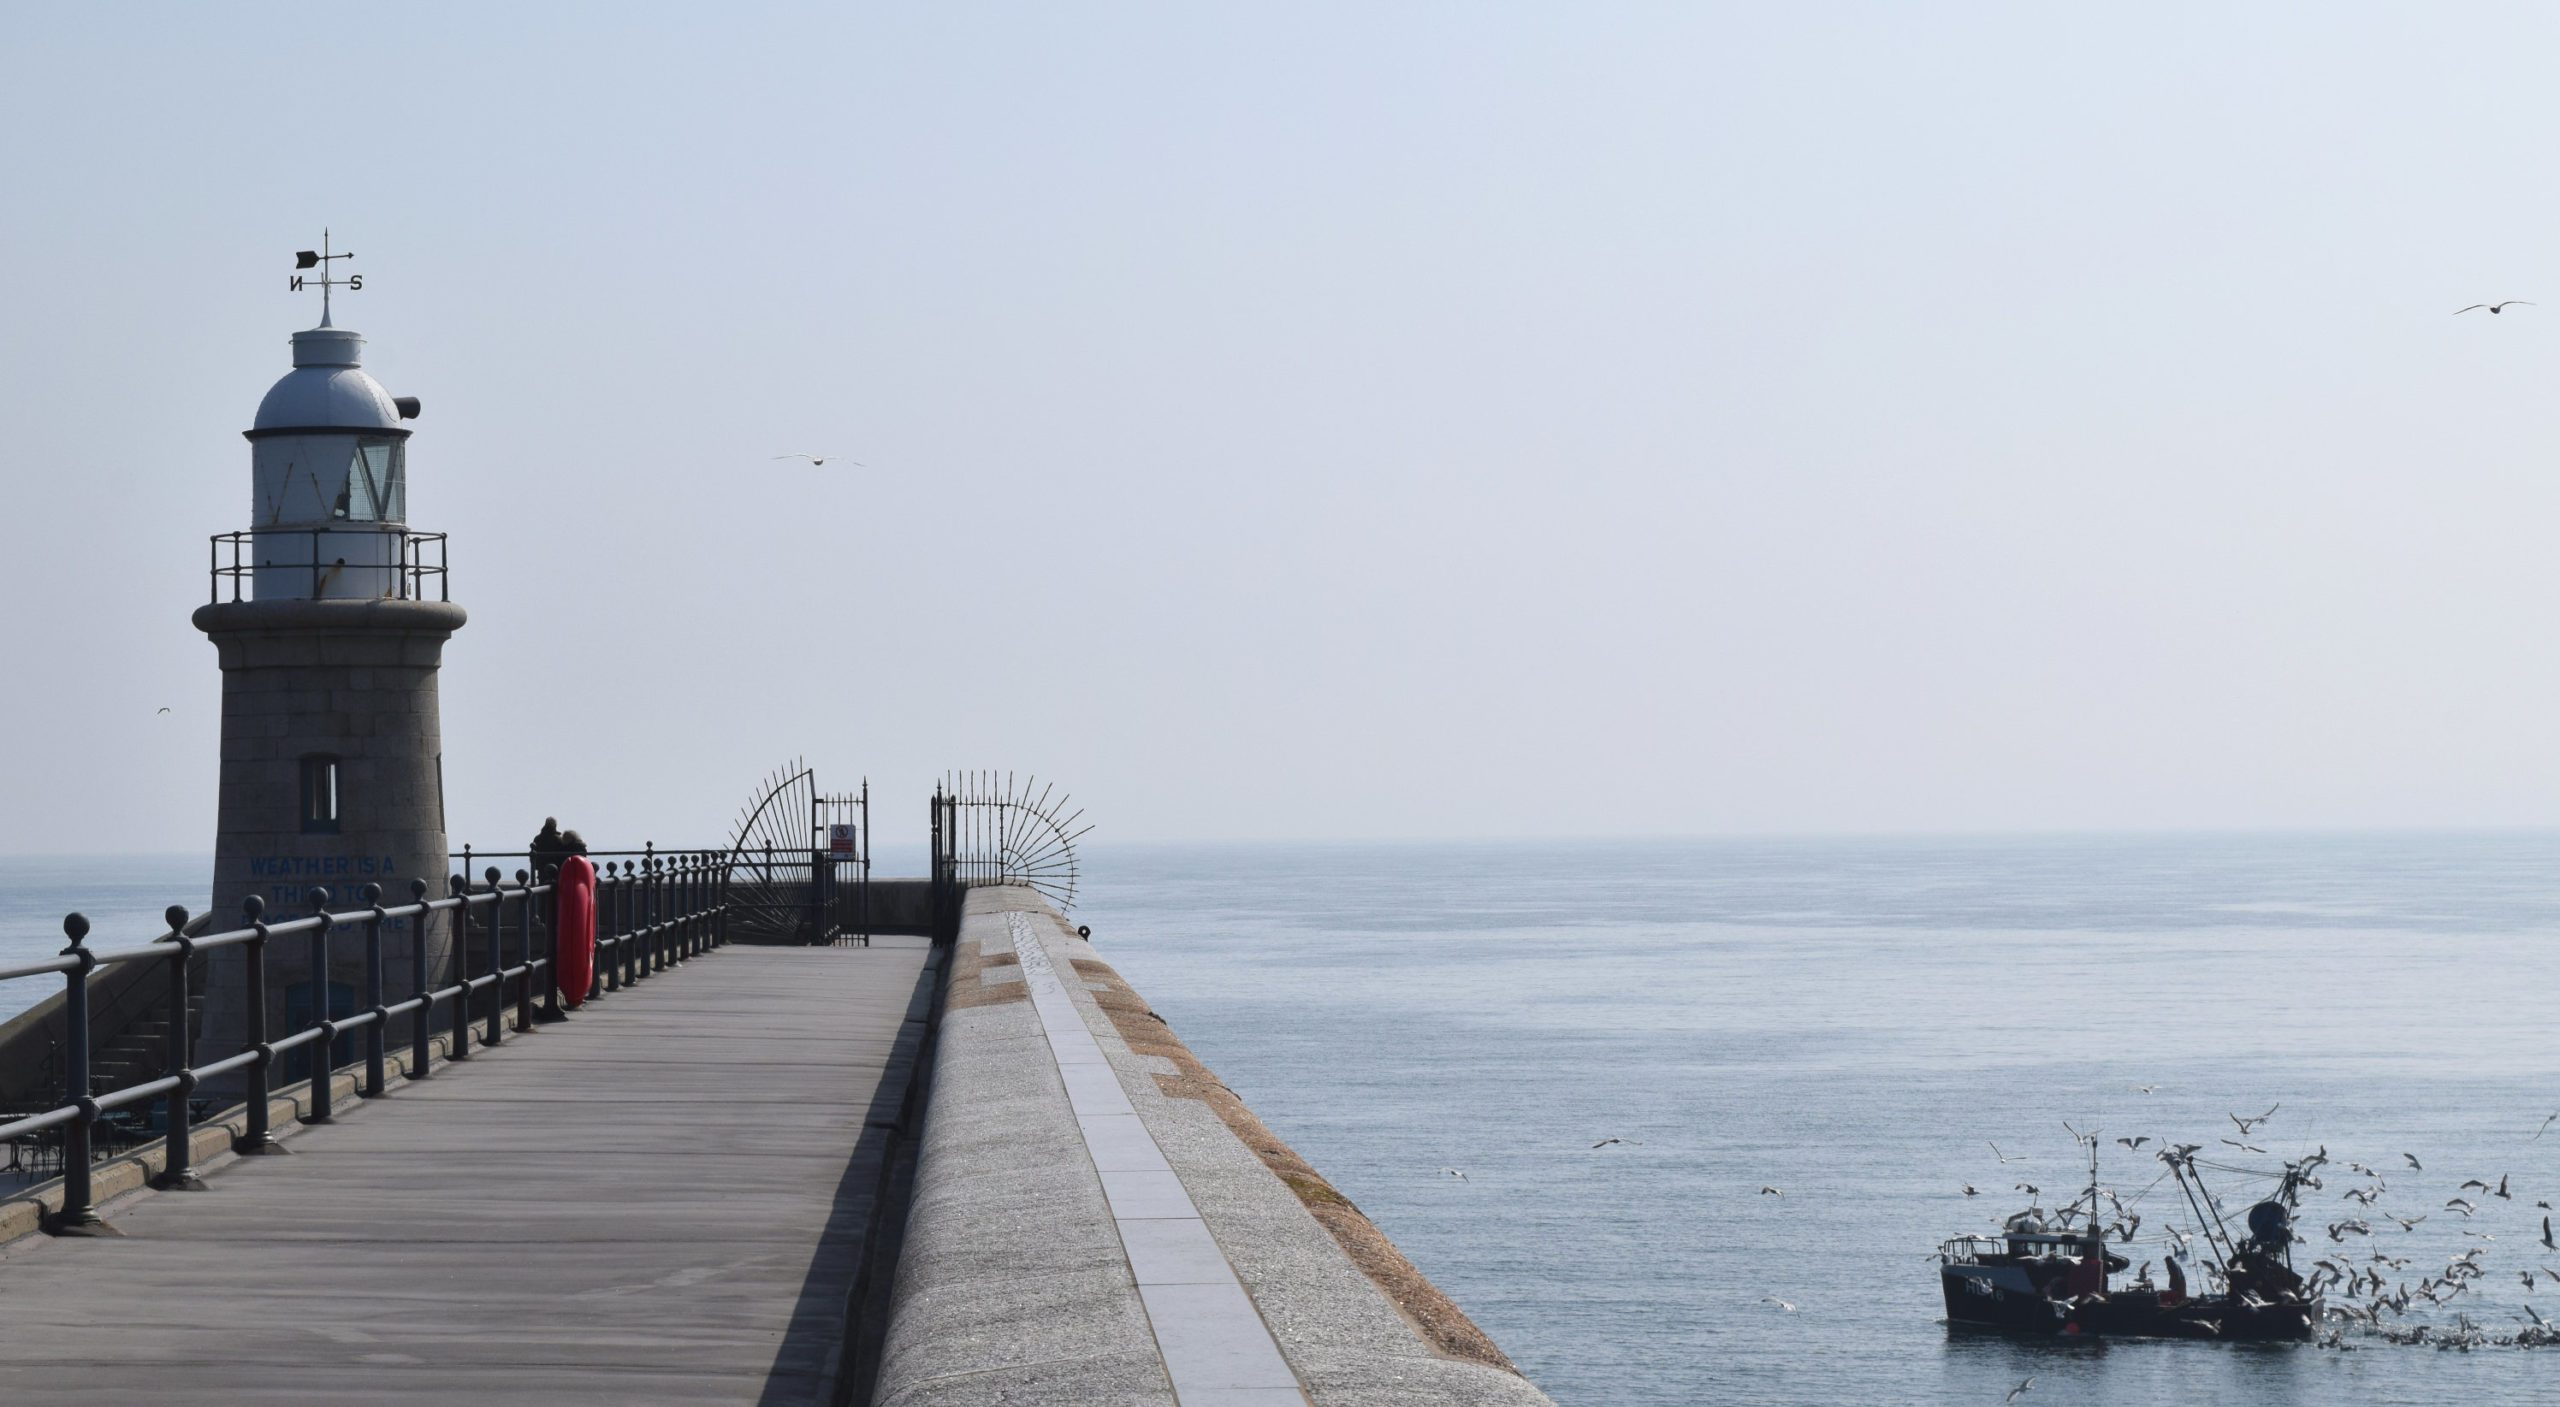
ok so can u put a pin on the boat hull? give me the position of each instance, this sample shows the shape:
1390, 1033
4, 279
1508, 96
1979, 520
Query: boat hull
2000, 1297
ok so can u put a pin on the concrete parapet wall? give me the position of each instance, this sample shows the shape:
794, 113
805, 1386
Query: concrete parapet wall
1015, 1283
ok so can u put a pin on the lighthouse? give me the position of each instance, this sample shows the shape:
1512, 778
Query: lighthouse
329, 614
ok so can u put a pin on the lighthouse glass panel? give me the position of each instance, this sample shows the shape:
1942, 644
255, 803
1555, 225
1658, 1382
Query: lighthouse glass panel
377, 489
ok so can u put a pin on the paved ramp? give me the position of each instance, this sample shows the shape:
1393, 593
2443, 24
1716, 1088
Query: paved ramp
663, 1201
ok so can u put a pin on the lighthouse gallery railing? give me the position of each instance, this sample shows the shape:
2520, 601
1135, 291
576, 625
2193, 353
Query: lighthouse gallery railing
650, 913
418, 565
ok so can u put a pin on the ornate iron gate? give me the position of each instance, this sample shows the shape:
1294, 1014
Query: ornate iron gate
800, 862
989, 829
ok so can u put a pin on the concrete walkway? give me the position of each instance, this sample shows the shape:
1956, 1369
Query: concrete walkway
1089, 1229
663, 1201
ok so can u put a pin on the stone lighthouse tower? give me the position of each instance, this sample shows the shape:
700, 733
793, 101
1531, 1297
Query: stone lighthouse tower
330, 616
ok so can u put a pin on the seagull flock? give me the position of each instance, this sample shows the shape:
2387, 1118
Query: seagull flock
2361, 1273
2363, 1266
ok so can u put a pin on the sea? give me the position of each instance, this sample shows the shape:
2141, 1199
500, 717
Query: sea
1812, 1048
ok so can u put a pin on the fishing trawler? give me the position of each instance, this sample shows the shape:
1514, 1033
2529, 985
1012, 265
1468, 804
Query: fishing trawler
2059, 1281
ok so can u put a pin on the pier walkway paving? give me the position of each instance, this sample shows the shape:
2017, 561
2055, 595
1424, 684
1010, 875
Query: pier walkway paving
663, 1201
1098, 1221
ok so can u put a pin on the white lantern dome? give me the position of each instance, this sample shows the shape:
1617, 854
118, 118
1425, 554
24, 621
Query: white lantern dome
328, 387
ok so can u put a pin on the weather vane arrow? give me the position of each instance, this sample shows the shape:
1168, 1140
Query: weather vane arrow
319, 259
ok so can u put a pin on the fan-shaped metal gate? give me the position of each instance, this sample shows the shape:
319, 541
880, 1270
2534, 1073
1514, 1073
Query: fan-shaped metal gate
989, 829
800, 862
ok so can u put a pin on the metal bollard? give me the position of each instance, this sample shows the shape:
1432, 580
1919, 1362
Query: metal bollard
177, 1161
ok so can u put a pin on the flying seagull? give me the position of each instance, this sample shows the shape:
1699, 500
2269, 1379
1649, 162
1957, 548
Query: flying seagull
2537, 1133
1782, 1304
1632, 1142
2015, 1392
822, 458
164, 710
1453, 1172
1771, 1192
2495, 308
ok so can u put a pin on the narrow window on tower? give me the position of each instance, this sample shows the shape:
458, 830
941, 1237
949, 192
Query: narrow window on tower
319, 794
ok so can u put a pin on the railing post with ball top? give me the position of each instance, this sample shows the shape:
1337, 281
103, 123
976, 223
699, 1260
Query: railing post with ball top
497, 960
376, 1036
320, 1054
421, 1021
692, 905
524, 943
461, 886
608, 942
651, 950
257, 1137
177, 1162
551, 970
635, 924
77, 1216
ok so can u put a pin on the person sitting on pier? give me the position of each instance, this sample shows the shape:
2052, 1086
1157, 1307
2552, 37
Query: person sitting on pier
546, 852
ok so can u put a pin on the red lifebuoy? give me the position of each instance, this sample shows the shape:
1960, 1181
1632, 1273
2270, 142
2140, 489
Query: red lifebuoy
576, 913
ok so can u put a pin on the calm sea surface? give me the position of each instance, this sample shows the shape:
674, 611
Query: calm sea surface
122, 896
1854, 1022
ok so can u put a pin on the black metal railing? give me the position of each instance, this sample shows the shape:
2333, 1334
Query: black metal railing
818, 896
406, 577
651, 913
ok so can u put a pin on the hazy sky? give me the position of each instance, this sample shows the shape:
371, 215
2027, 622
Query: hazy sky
1329, 420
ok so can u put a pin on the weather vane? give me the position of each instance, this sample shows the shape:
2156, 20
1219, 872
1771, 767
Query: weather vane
319, 259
